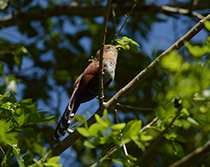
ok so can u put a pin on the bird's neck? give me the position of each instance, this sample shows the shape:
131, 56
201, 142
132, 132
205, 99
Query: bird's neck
111, 57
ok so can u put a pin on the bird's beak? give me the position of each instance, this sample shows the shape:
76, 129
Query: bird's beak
118, 46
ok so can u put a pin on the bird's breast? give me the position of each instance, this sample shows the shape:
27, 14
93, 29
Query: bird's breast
109, 72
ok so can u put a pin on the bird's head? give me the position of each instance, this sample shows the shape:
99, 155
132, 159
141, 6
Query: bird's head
109, 48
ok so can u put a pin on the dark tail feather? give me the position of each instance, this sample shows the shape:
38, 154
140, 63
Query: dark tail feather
65, 120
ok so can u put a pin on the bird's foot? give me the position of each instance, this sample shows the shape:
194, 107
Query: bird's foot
101, 97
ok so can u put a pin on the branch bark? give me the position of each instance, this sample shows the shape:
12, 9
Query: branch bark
193, 157
74, 9
103, 39
69, 140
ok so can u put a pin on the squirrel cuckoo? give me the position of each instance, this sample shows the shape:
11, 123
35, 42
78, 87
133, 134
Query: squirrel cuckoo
86, 87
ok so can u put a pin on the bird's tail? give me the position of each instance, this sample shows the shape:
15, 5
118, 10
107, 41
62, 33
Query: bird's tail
65, 120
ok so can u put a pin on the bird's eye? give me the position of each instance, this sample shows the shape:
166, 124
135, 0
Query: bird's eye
108, 47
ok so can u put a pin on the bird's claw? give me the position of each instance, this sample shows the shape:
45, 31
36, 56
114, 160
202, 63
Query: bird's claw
101, 97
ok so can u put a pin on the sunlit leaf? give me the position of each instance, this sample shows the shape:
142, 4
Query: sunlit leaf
89, 144
197, 51
95, 129
3, 4
145, 137
170, 110
128, 43
160, 112
207, 25
100, 121
192, 121
172, 61
83, 131
119, 126
54, 159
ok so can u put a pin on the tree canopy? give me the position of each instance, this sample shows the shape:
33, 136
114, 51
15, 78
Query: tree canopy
156, 112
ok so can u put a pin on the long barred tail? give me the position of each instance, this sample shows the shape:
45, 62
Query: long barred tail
66, 119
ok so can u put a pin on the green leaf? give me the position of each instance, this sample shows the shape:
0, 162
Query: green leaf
172, 61
192, 121
126, 43
54, 159
170, 110
103, 139
106, 118
178, 150
80, 118
145, 137
100, 121
89, 144
131, 157
96, 129
184, 112
117, 161
181, 138
7, 138
207, 25
132, 128
3, 4
36, 164
119, 126
138, 143
196, 50
16, 152
26, 101
83, 131
7, 160
160, 112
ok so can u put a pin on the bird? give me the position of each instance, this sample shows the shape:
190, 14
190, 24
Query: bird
86, 87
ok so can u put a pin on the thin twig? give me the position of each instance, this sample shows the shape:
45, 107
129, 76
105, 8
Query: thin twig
135, 108
181, 11
103, 38
104, 157
114, 19
126, 19
149, 125
121, 135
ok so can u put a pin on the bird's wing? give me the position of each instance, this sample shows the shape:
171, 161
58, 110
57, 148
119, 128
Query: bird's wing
87, 76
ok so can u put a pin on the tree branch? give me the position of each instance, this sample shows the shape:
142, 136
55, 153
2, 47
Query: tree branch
74, 9
71, 138
103, 39
193, 157
142, 158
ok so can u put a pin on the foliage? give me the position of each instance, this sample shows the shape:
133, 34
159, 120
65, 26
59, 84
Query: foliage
128, 43
183, 108
105, 136
20, 129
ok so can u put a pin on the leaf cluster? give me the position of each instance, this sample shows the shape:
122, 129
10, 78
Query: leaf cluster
107, 137
20, 130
